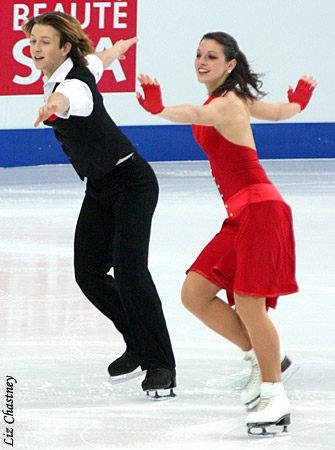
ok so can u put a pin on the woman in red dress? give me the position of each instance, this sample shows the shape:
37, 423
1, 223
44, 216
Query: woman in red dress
253, 255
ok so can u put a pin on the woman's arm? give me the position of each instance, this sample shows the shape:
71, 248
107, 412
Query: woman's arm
208, 115
273, 111
57, 103
298, 101
116, 52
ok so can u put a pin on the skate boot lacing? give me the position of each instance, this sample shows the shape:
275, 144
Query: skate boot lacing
254, 377
264, 404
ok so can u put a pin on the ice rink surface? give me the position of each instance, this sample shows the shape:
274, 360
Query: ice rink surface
57, 346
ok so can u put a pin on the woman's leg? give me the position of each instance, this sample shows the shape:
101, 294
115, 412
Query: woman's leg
274, 406
199, 296
263, 335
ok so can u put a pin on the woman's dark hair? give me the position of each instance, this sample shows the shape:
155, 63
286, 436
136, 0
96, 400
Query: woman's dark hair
69, 29
241, 78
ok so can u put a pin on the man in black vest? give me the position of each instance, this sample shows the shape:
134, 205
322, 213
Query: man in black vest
114, 223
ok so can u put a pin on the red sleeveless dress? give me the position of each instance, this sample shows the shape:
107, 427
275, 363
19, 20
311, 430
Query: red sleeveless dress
254, 252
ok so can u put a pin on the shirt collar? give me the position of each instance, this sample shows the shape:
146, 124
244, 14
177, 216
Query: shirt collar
60, 74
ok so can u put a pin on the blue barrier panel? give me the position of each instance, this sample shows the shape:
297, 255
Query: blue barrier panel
174, 143
295, 140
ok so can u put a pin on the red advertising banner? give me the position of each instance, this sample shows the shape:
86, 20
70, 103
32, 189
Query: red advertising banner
105, 22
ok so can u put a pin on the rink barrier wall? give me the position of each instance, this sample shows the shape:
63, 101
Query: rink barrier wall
29, 147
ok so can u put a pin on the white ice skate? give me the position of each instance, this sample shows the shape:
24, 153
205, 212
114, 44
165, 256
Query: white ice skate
273, 410
250, 394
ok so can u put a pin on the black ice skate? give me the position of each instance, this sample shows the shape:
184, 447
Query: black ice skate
159, 379
124, 368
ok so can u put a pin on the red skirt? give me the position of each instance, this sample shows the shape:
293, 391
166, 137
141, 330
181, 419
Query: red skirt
253, 254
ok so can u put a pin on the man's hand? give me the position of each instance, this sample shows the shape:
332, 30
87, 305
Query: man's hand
120, 47
57, 103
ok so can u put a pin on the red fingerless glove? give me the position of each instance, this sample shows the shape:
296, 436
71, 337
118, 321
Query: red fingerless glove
152, 101
302, 94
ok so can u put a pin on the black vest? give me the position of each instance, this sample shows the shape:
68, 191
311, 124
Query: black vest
95, 143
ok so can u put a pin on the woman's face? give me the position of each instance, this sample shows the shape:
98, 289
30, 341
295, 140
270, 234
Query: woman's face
210, 64
44, 49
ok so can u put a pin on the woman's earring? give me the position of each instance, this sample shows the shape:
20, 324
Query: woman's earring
229, 71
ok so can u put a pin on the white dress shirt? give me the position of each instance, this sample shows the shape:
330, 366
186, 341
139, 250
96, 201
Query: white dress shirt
78, 93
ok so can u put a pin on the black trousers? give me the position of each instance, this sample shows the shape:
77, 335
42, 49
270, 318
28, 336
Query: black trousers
113, 230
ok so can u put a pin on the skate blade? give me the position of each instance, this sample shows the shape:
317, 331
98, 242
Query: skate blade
269, 429
128, 376
265, 432
156, 394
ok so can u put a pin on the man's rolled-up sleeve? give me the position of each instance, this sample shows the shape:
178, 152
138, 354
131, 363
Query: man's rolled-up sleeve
80, 98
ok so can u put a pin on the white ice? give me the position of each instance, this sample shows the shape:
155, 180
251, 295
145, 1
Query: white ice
58, 346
